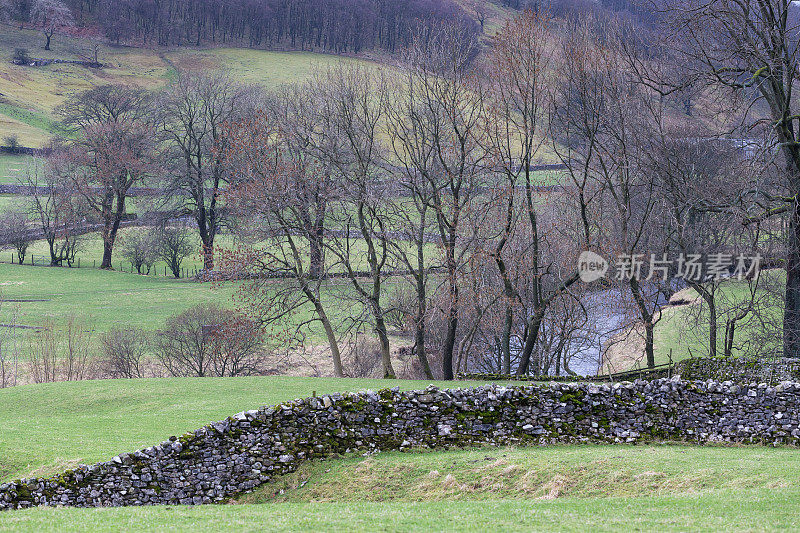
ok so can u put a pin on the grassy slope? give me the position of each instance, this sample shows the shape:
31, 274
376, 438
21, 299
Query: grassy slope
11, 166
535, 473
567, 488
48, 427
757, 510
28, 96
106, 298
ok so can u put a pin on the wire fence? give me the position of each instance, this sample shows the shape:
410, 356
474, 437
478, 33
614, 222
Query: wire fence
119, 266
193, 271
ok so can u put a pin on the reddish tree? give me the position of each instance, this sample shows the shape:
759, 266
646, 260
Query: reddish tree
49, 16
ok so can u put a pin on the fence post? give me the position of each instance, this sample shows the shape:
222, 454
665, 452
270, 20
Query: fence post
670, 362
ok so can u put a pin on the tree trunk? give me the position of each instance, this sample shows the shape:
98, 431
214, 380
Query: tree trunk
316, 255
111, 227
419, 348
452, 315
108, 247
386, 357
422, 302
506, 340
649, 348
791, 317
208, 253
449, 343
647, 320
338, 371
534, 324
47, 44
710, 300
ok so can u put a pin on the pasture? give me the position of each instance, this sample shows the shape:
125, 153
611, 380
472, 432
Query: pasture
31, 95
48, 428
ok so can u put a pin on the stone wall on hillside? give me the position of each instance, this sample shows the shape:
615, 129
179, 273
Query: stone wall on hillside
740, 369
239, 453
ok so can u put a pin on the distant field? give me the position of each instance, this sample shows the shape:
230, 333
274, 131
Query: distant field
12, 167
30, 94
90, 252
103, 299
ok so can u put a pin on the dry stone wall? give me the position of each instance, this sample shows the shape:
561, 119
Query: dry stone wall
241, 452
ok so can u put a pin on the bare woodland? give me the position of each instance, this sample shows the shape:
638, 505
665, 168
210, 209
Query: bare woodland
398, 209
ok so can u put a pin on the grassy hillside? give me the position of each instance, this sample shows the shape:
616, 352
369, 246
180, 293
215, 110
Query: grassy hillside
563, 488
29, 95
728, 510
47, 428
533, 473
104, 298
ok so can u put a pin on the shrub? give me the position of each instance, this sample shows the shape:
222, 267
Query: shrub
61, 352
141, 248
208, 340
21, 56
11, 142
124, 351
174, 245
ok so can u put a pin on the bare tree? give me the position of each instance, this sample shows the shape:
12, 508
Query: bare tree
60, 352
355, 109
16, 230
285, 191
193, 113
124, 351
50, 16
435, 133
9, 346
77, 349
208, 340
113, 152
751, 48
59, 213
517, 109
174, 244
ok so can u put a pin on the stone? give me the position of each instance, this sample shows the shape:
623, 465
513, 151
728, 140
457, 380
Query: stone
235, 455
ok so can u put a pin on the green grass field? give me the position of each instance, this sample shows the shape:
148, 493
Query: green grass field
729, 510
31, 94
48, 427
684, 329
103, 298
563, 488
12, 168
90, 251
